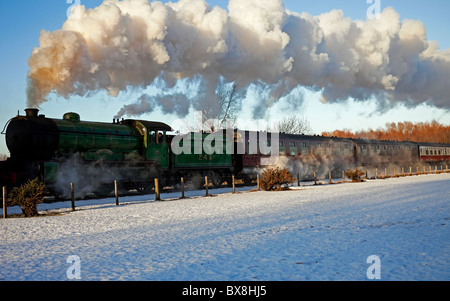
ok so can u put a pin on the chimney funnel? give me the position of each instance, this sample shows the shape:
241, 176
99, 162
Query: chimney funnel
30, 112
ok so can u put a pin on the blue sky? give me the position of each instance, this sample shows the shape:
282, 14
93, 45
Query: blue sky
22, 21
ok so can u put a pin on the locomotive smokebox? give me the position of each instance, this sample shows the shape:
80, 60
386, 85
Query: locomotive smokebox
32, 137
31, 112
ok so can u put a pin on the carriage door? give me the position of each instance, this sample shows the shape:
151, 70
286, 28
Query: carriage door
158, 149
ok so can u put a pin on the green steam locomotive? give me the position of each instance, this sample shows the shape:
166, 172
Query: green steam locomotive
94, 154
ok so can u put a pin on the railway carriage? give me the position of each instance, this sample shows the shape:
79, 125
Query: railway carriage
302, 154
433, 152
376, 153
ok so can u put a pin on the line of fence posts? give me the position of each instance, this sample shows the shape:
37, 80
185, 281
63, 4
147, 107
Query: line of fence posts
436, 171
158, 195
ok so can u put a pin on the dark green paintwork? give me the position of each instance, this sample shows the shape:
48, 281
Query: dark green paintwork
132, 140
197, 159
97, 140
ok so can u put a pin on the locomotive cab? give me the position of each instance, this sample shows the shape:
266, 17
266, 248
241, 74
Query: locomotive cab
155, 146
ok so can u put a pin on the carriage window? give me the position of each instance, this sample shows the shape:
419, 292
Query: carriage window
304, 150
153, 137
157, 137
282, 148
293, 148
160, 137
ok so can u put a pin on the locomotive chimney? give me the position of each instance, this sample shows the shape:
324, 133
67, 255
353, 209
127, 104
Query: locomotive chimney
30, 112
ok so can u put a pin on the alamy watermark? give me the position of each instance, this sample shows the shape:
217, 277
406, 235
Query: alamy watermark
228, 141
374, 270
374, 10
74, 270
72, 11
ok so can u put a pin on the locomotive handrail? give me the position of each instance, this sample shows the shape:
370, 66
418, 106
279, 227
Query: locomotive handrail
4, 128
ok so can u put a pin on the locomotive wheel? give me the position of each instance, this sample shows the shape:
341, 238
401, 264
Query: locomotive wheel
228, 178
216, 178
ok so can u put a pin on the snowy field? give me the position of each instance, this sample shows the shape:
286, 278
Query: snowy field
324, 232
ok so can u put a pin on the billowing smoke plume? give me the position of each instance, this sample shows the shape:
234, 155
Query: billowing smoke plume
136, 43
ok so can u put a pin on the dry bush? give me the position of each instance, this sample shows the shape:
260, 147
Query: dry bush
355, 175
276, 179
28, 196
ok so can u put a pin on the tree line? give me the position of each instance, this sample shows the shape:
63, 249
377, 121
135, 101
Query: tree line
429, 132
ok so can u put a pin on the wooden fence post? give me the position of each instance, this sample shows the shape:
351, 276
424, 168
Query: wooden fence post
206, 186
298, 179
376, 173
72, 195
329, 175
258, 182
116, 192
343, 176
5, 210
234, 187
182, 187
315, 179
157, 195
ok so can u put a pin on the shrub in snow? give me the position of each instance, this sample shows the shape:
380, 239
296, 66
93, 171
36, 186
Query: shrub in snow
355, 175
276, 179
28, 196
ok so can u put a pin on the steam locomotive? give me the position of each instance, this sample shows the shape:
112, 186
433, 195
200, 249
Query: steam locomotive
134, 152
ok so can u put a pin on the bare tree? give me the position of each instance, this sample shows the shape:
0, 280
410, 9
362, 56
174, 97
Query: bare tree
293, 124
222, 112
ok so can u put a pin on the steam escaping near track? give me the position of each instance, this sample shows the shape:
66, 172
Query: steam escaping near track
136, 44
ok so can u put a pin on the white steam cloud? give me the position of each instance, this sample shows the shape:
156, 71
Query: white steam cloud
135, 43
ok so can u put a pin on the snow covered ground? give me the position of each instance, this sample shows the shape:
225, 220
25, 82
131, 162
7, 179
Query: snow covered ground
324, 232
